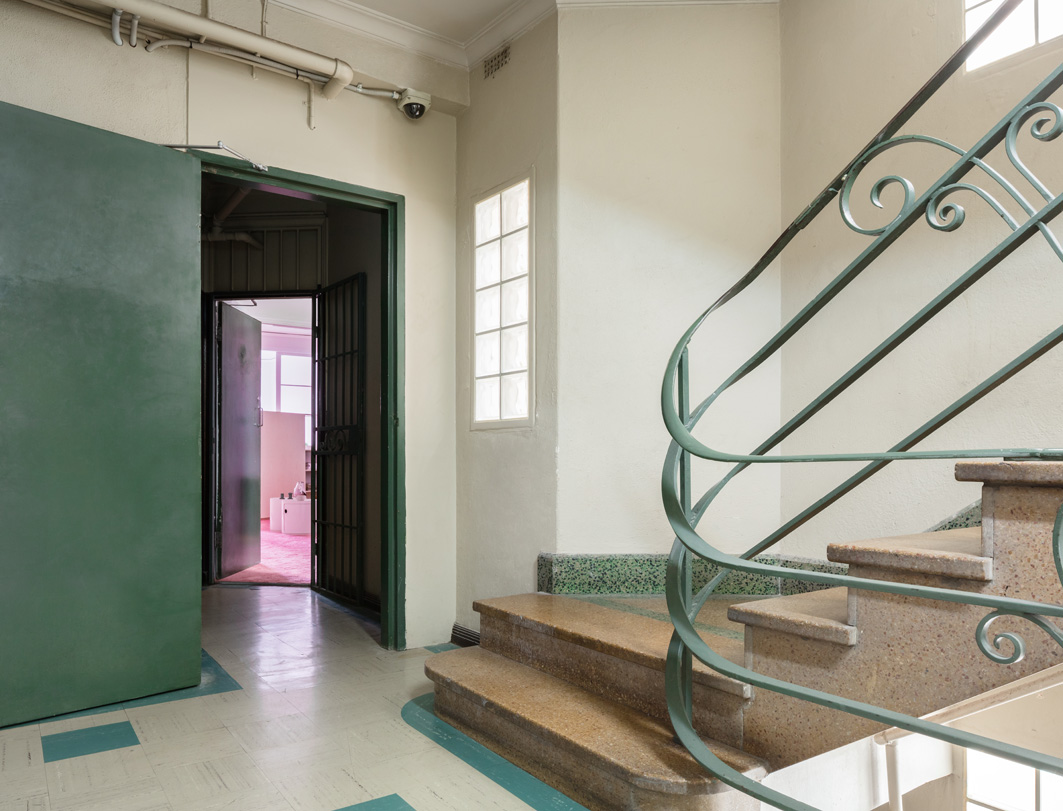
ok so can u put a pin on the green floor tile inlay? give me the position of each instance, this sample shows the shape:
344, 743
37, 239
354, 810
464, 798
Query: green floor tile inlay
89, 741
393, 802
213, 679
442, 647
419, 714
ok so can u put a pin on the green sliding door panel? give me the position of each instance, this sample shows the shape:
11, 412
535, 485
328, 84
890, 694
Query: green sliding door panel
99, 417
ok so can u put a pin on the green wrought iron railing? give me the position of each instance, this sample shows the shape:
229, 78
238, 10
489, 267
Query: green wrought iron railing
1045, 121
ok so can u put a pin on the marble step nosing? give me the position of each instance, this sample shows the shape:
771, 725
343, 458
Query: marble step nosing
802, 615
699, 779
702, 674
923, 553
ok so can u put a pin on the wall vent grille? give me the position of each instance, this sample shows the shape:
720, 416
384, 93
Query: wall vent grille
496, 62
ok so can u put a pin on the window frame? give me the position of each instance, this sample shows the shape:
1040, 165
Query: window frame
973, 804
1027, 52
521, 423
279, 353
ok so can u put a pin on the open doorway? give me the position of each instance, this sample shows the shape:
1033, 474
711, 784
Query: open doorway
267, 248
286, 440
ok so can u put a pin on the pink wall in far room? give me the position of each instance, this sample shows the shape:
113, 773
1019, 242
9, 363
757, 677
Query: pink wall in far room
283, 455
286, 343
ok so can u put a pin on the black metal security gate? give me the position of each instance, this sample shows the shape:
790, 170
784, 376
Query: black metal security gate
339, 458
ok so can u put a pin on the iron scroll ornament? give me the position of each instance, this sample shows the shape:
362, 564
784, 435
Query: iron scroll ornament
1046, 125
335, 441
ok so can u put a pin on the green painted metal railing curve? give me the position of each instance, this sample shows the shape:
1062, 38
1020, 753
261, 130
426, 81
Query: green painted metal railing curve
943, 215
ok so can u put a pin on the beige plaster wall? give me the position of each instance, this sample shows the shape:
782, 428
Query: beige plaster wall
73, 70
846, 68
507, 478
668, 192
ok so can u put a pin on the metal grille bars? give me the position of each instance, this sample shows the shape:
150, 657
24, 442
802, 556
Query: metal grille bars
942, 214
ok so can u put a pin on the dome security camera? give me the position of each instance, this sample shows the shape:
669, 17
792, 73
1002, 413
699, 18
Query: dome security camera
414, 104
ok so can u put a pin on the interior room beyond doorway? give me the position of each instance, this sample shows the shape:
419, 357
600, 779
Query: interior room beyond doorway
287, 440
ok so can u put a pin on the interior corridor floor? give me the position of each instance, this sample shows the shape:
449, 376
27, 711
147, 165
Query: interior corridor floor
285, 559
315, 726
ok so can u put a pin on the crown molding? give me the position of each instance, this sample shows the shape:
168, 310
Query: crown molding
509, 25
381, 27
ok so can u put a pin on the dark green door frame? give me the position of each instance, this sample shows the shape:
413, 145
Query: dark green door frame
392, 207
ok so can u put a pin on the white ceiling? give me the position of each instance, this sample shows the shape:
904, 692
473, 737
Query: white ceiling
286, 312
457, 20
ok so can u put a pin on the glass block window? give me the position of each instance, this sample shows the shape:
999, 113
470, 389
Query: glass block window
1033, 22
501, 306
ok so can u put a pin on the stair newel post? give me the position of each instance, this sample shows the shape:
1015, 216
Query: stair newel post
684, 499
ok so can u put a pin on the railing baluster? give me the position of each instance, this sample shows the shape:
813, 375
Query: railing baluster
942, 214
687, 667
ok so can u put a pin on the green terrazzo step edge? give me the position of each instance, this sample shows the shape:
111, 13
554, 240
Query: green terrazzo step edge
645, 573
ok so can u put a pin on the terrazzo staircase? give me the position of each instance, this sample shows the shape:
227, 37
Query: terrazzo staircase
905, 653
573, 693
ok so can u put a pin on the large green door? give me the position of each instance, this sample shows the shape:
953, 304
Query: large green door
99, 417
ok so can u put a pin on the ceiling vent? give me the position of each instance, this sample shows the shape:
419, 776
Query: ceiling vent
496, 62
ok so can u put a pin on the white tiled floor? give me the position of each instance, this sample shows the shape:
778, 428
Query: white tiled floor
316, 727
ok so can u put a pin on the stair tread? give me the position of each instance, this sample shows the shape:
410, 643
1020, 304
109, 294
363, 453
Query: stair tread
1027, 473
816, 615
632, 637
616, 738
952, 553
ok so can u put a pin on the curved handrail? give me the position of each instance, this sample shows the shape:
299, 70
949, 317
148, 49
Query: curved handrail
942, 214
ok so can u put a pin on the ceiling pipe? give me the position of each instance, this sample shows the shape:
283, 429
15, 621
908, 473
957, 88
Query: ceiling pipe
116, 20
155, 40
337, 72
269, 64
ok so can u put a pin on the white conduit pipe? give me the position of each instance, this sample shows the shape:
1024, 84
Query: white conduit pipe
116, 20
247, 58
893, 778
337, 72
84, 16
269, 64
133, 30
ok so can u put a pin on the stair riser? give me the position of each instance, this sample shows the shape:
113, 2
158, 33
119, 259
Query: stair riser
1017, 533
593, 787
717, 714
862, 600
914, 656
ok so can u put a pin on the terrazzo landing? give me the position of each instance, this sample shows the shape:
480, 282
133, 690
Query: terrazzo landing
317, 726
712, 619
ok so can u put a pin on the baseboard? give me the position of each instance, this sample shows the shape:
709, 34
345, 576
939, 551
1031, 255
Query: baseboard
465, 637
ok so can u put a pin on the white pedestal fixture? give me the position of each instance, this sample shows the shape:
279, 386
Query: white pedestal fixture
296, 517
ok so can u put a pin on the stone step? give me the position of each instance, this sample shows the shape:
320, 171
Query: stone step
950, 553
820, 615
617, 654
601, 753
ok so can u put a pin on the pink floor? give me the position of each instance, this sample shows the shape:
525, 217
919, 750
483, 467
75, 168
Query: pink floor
285, 559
